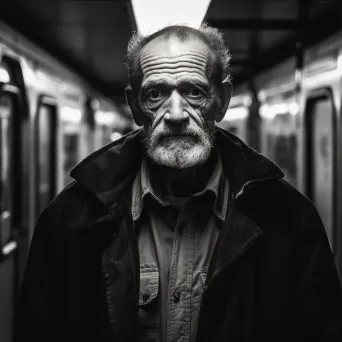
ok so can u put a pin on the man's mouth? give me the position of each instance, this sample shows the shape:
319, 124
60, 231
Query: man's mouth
177, 139
178, 136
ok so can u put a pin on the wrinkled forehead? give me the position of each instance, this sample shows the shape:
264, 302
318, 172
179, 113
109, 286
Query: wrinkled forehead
174, 46
164, 56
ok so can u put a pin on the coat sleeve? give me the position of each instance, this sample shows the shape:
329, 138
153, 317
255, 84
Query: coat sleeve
38, 298
318, 289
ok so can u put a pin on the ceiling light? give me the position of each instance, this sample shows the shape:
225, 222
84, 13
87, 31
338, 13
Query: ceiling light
152, 15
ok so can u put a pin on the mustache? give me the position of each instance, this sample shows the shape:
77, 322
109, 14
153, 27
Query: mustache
154, 137
188, 131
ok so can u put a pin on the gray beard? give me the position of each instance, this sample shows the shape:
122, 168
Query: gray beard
181, 152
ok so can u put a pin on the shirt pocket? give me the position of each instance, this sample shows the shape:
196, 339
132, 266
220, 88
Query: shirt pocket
148, 304
149, 284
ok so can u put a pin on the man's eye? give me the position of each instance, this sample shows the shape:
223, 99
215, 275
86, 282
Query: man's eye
194, 92
154, 95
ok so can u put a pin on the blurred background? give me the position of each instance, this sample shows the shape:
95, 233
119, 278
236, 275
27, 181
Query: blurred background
62, 80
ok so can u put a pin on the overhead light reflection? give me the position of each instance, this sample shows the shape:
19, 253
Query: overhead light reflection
236, 114
271, 111
247, 101
104, 118
4, 75
71, 115
115, 136
152, 15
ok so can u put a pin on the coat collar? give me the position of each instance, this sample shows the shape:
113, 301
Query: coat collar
108, 171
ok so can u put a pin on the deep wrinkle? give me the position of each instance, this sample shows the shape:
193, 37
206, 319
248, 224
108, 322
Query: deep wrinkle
175, 66
151, 59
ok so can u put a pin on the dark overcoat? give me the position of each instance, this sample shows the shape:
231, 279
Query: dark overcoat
272, 277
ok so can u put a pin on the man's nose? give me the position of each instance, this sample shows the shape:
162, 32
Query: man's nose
176, 113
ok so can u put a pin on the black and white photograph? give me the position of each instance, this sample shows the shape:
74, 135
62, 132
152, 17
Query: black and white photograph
171, 171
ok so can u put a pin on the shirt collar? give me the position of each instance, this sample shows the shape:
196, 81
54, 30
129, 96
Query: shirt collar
217, 184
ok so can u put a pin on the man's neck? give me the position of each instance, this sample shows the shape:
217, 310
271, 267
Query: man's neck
182, 182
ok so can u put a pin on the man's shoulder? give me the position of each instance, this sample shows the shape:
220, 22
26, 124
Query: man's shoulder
292, 197
283, 191
277, 200
73, 205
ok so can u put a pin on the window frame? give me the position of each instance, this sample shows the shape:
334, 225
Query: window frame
47, 101
7, 248
312, 97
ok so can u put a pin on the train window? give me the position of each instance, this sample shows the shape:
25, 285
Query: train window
321, 143
72, 130
106, 134
6, 154
89, 119
12, 194
46, 155
280, 144
71, 143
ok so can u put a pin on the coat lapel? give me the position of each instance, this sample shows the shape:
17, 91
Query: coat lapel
238, 234
224, 291
118, 264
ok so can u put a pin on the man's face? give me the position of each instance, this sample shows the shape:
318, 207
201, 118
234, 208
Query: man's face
178, 101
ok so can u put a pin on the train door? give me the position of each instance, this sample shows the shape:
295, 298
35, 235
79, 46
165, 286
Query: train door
46, 142
71, 123
89, 127
11, 195
321, 157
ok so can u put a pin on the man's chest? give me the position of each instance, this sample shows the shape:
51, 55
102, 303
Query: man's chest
175, 249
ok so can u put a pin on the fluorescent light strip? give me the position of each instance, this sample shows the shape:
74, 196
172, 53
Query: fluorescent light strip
152, 15
9, 248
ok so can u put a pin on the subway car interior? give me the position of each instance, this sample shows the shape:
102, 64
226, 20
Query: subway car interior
62, 80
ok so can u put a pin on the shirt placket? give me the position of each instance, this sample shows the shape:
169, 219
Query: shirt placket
180, 282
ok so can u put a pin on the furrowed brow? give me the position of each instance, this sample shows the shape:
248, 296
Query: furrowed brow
186, 82
154, 83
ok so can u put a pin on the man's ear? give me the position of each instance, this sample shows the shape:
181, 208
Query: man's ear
132, 101
225, 93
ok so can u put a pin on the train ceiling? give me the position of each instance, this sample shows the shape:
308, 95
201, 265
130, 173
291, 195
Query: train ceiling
91, 36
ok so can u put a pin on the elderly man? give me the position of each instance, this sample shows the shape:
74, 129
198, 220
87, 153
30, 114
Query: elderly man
179, 231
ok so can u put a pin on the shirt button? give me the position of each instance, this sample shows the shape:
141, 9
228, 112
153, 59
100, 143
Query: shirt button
145, 297
176, 296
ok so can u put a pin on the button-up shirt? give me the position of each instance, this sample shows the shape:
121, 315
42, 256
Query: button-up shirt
176, 238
